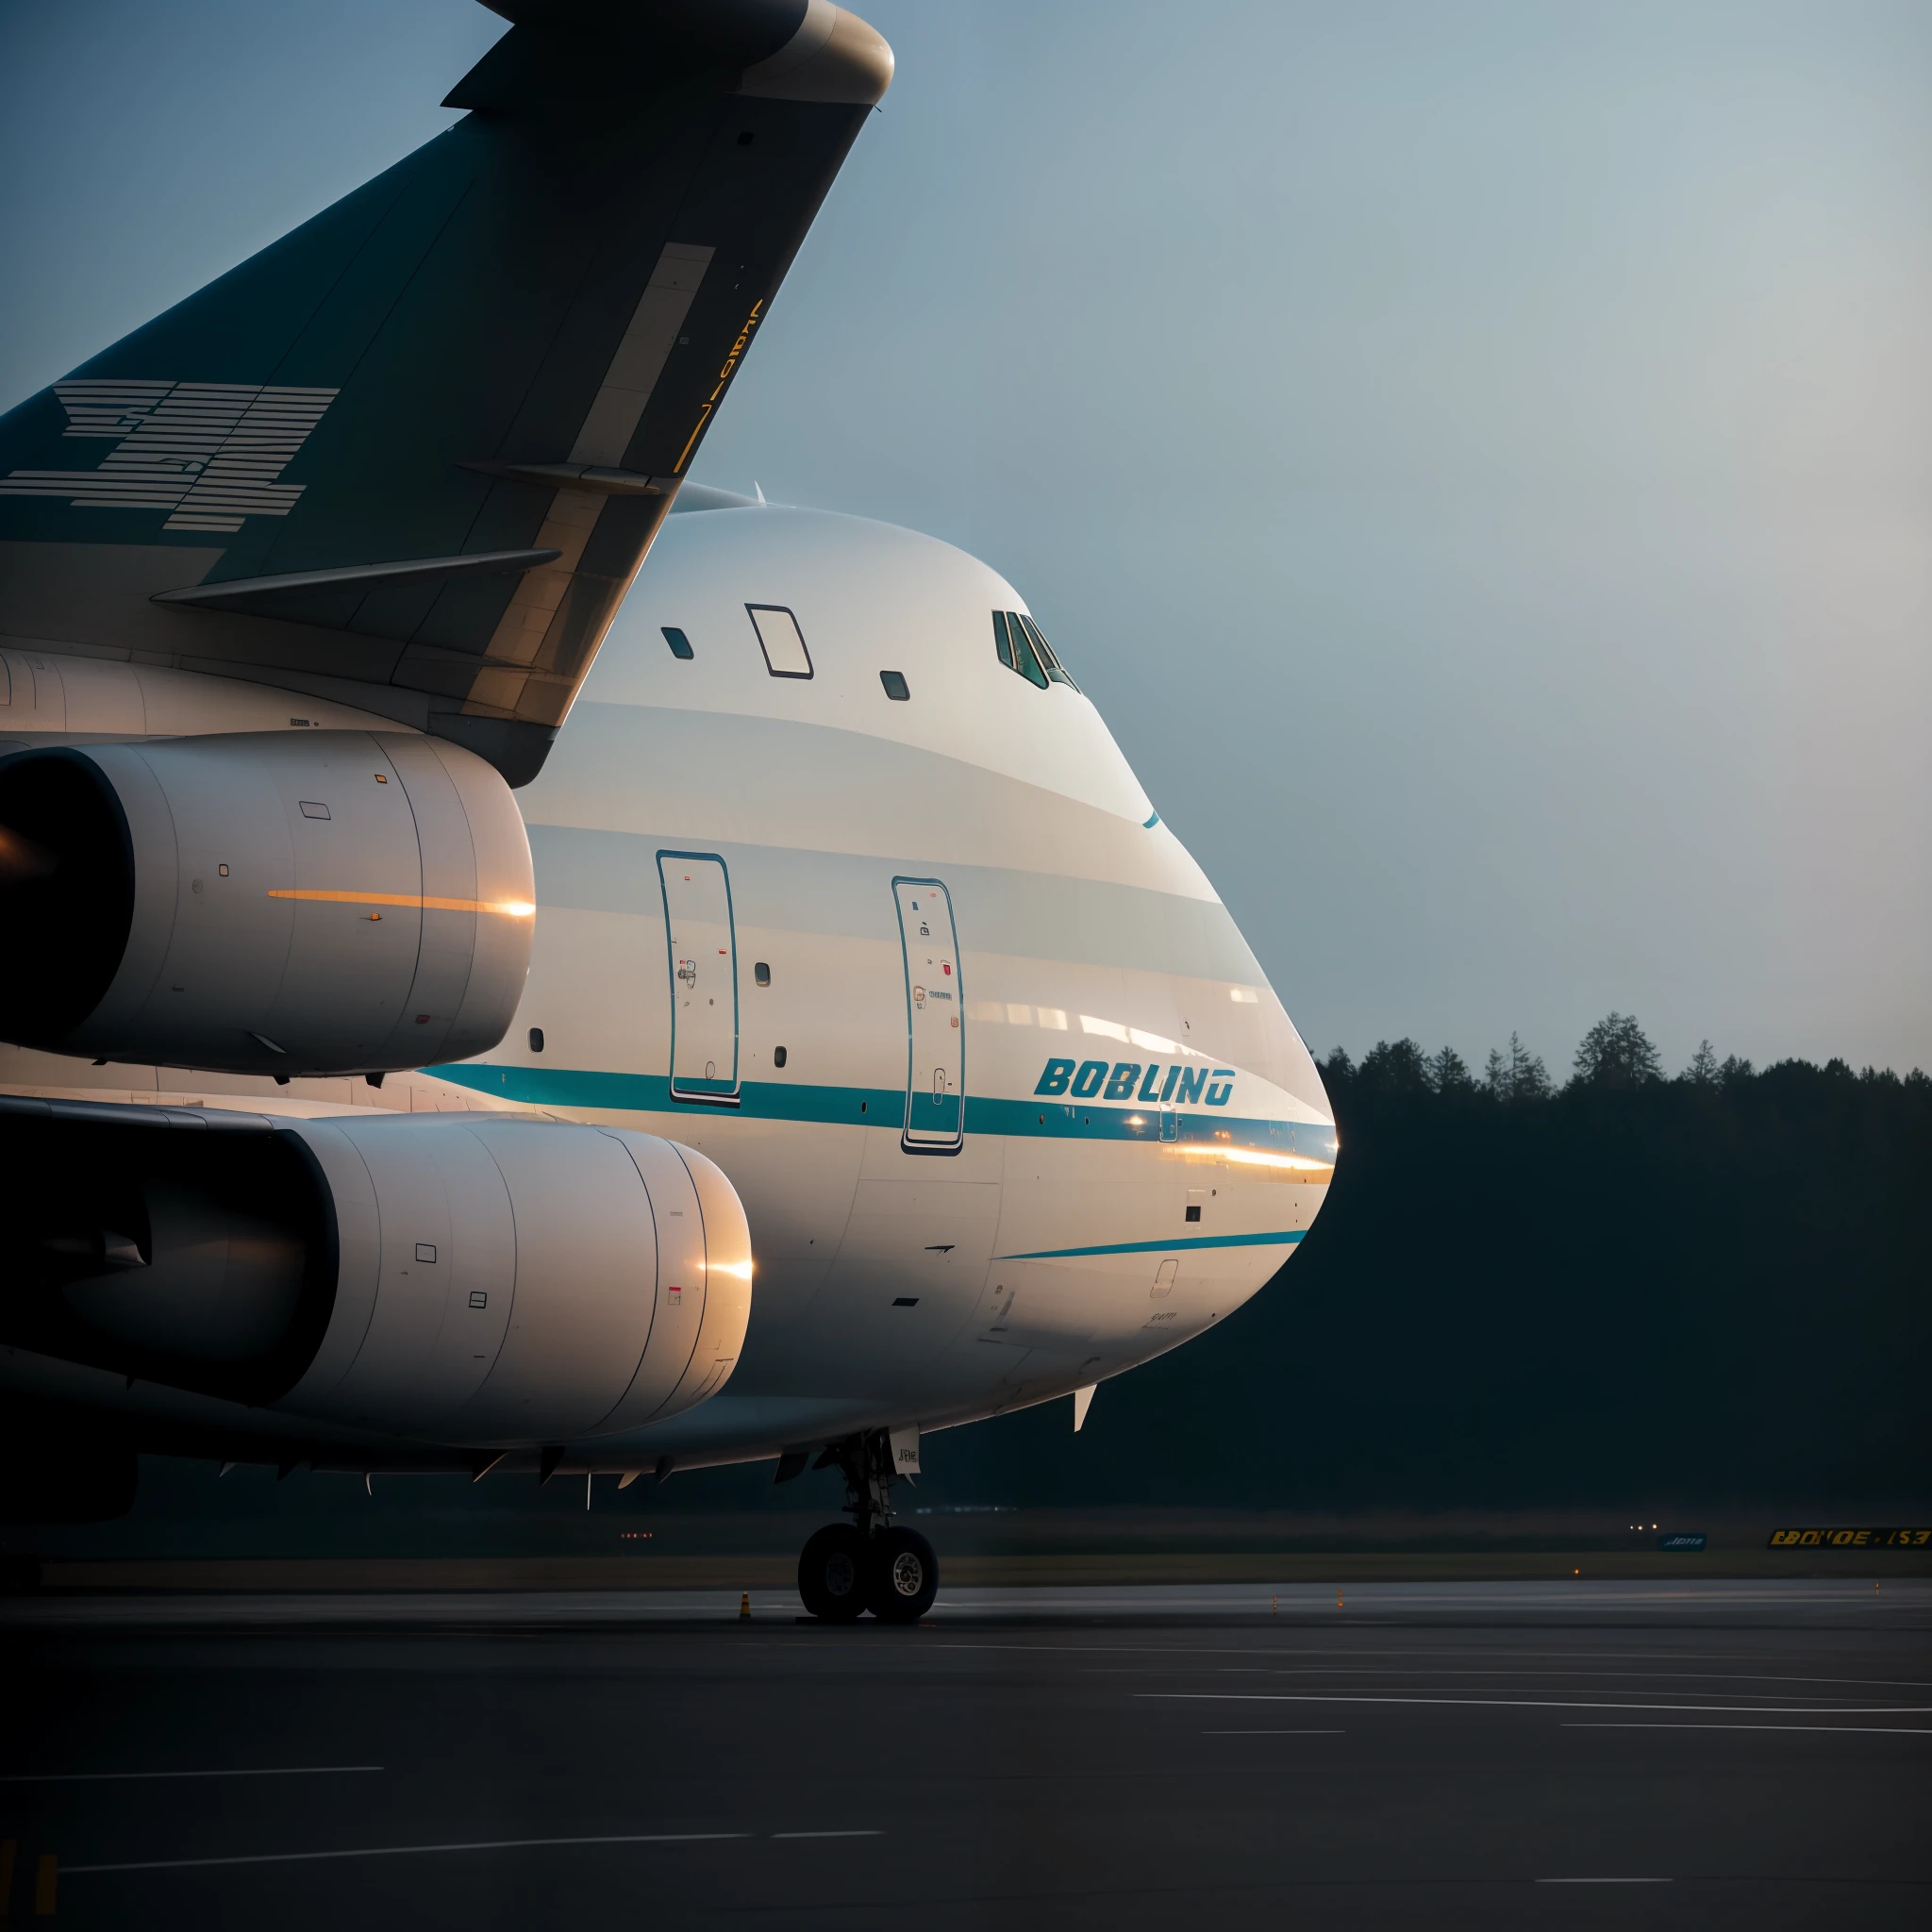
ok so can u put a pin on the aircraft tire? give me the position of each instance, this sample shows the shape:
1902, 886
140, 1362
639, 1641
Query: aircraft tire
832, 1574
904, 1577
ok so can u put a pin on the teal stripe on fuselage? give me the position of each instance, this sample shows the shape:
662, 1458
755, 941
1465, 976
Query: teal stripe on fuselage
884, 1107
1285, 1238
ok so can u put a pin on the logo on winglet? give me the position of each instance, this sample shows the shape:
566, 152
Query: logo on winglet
207, 453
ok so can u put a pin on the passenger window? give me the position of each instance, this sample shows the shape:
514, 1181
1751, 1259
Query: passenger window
680, 644
896, 687
1054, 669
781, 641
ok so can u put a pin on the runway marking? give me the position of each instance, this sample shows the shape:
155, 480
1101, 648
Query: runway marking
1845, 1730
79, 1777
492, 1845
1554, 1594
486, 1844
1459, 1649
1539, 1703
1420, 1671
1688, 1676
1605, 1881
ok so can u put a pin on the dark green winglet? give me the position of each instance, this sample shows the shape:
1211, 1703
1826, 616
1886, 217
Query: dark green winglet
429, 436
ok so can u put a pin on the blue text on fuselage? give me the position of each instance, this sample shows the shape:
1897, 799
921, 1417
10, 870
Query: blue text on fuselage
1131, 1080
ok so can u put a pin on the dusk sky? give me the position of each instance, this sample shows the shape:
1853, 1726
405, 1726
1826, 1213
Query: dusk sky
1478, 458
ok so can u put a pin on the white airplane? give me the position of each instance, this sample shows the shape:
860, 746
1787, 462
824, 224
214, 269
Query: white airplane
468, 1017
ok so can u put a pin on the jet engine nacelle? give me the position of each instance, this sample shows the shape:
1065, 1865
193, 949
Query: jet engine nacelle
479, 1280
319, 902
508, 1281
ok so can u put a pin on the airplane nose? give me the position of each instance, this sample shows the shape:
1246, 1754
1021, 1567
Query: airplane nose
1315, 1139
1320, 1095
1326, 1137
1303, 1080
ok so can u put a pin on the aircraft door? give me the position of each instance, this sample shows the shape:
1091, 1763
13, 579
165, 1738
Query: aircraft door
704, 978
935, 1020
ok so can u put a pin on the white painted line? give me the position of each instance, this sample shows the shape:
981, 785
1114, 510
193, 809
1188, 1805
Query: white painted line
1640, 1677
1542, 1704
1842, 1730
80, 1778
1605, 1881
1167, 1650
486, 1844
829, 1834
1297, 1649
1275, 1734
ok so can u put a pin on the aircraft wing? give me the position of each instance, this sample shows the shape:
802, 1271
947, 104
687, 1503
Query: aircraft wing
410, 456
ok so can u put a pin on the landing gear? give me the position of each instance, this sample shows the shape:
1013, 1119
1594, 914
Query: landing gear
848, 1568
831, 1574
904, 1577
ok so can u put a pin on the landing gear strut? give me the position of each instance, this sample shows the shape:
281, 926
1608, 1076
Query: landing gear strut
867, 1564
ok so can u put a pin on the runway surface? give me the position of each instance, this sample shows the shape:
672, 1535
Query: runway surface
1427, 1755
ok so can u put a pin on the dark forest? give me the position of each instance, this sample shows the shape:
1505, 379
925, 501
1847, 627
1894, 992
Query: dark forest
1705, 1289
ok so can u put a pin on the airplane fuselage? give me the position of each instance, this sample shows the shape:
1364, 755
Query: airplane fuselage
1007, 1101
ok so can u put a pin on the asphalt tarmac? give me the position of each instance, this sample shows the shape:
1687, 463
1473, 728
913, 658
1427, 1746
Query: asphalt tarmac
1406, 1756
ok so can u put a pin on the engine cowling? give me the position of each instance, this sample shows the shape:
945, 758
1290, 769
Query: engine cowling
320, 901
514, 1281
483, 1280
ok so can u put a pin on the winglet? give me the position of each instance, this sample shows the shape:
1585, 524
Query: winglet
834, 56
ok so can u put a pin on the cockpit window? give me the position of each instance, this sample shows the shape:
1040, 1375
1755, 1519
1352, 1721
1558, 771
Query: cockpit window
1054, 668
1016, 648
1023, 648
1001, 642
1025, 660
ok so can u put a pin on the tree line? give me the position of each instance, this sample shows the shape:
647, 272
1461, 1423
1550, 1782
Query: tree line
1615, 1055
1629, 1290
